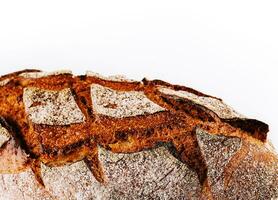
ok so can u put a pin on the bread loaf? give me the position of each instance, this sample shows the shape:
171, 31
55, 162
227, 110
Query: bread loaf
93, 137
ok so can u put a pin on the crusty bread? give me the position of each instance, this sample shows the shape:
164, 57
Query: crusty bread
94, 137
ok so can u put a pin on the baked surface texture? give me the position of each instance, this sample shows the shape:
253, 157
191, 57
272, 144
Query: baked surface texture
86, 137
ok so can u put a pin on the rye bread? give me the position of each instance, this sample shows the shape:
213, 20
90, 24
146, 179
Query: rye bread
96, 137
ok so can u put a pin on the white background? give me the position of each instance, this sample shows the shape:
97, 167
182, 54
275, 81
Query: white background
227, 49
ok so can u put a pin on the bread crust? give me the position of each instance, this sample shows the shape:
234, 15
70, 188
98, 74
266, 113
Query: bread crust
61, 119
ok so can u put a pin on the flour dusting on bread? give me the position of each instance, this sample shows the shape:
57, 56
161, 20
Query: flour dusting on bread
35, 75
52, 107
146, 140
117, 78
118, 104
219, 107
4, 82
12, 158
4, 135
217, 151
158, 174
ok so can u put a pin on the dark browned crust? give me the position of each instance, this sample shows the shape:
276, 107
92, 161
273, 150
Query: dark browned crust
175, 87
15, 74
140, 131
255, 127
94, 164
12, 130
36, 168
132, 134
186, 148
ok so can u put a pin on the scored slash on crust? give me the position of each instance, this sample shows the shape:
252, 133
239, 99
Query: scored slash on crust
142, 114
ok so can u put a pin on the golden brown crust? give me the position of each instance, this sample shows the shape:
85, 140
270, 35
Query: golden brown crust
176, 123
